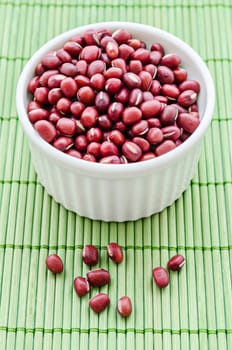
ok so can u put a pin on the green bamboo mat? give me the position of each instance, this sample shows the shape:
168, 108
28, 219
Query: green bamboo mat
41, 311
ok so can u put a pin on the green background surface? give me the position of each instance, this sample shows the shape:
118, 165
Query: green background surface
41, 311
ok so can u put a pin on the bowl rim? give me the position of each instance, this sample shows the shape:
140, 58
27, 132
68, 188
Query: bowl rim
129, 169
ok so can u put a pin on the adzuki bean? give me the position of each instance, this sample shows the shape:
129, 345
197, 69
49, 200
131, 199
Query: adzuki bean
54, 263
106, 97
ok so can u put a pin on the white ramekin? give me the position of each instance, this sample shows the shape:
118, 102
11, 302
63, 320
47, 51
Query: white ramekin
126, 191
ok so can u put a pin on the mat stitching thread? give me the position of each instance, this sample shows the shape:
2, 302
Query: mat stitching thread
115, 330
136, 247
193, 183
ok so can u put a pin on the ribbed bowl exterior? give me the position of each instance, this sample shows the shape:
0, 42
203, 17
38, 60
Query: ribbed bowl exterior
115, 199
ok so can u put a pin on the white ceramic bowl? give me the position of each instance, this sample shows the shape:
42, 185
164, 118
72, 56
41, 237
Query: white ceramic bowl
126, 191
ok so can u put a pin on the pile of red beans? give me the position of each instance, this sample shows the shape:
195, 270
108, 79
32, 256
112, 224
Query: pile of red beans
105, 97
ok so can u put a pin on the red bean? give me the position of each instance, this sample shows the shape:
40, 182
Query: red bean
51, 61
150, 109
95, 67
99, 302
81, 143
146, 80
91, 37
82, 80
63, 105
73, 48
94, 135
33, 105
110, 160
41, 95
168, 115
68, 87
89, 157
121, 35
180, 75
81, 286
76, 108
171, 132
94, 148
154, 135
142, 55
187, 98
142, 143
55, 80
188, 122
63, 143
125, 51
86, 95
116, 137
54, 263
68, 69
155, 57
131, 115
171, 91
140, 128
160, 276
155, 87
102, 101
147, 156
135, 66
90, 53
132, 80
171, 60
190, 85
82, 67
154, 122
90, 255
38, 114
89, 117
135, 43
46, 130
97, 81
176, 262
54, 95
136, 97
164, 147
124, 306
112, 50
157, 47
123, 95
165, 75
98, 277
113, 85
39, 69
119, 63
109, 149
74, 153
147, 96
152, 69
131, 151
115, 252
120, 126
104, 122
66, 126
33, 84
63, 55
113, 72
115, 111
